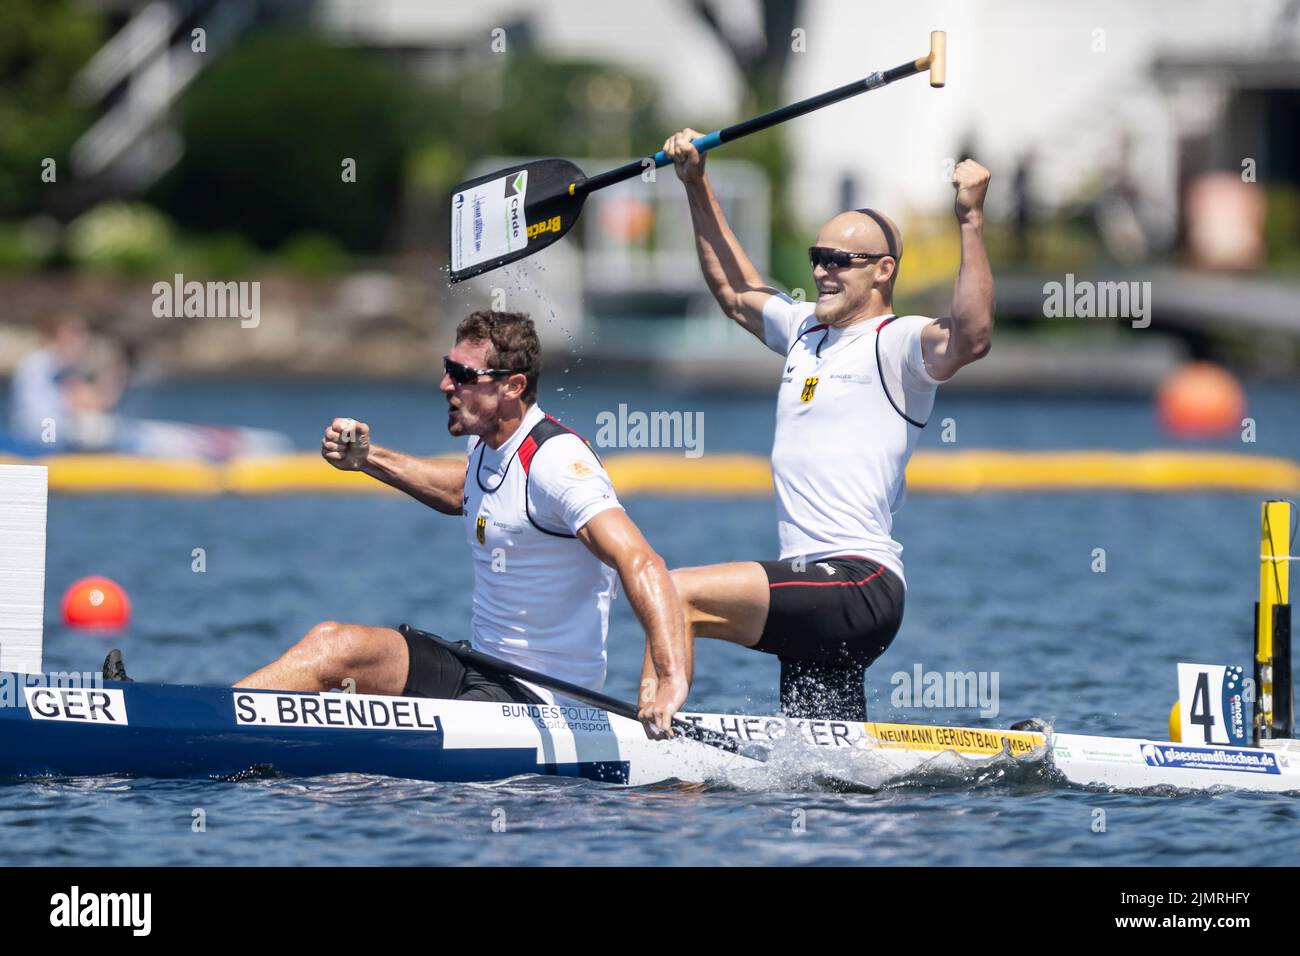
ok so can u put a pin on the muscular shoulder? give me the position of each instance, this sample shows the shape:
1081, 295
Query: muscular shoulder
568, 483
563, 460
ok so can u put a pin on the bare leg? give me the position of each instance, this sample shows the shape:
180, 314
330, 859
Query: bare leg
374, 658
724, 601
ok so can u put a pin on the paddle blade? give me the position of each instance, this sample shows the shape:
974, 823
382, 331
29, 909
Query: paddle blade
510, 214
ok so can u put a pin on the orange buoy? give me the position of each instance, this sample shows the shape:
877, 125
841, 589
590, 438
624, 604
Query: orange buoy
96, 602
1201, 400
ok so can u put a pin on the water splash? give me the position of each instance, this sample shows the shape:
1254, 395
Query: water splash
791, 764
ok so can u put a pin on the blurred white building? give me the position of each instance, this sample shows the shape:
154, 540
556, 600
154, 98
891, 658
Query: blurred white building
1111, 110
1108, 108
1080, 86
664, 40
1071, 83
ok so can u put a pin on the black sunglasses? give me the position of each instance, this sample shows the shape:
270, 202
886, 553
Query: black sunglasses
464, 375
826, 258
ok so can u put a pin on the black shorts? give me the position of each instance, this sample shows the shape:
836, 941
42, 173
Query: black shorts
827, 623
434, 671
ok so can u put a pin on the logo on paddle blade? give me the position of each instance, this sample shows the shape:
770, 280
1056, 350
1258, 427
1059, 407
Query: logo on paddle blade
809, 387
478, 224
546, 225
516, 189
480, 529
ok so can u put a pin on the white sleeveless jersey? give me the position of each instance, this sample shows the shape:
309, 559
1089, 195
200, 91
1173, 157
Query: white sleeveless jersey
843, 435
541, 599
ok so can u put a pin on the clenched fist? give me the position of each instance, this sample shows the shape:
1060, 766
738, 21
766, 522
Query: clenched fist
346, 444
687, 160
971, 180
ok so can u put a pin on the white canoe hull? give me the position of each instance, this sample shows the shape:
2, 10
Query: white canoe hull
163, 730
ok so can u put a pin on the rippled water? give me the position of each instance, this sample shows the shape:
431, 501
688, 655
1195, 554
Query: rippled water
997, 583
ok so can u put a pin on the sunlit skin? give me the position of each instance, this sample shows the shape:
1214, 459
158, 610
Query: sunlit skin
860, 290
491, 407
948, 343
730, 601
375, 659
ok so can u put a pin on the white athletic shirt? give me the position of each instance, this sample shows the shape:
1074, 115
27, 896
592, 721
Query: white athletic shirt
36, 395
841, 447
540, 600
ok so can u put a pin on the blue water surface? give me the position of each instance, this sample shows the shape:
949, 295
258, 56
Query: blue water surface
1000, 583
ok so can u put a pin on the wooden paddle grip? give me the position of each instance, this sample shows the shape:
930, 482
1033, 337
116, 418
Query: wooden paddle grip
938, 58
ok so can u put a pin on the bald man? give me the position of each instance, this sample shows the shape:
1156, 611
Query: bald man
857, 387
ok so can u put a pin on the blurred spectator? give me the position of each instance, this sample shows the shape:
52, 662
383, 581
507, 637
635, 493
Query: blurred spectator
65, 389
65, 398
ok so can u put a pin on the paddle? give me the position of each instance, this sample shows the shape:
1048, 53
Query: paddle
514, 212
596, 699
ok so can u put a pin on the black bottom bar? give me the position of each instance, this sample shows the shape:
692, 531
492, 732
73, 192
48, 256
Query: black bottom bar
290, 905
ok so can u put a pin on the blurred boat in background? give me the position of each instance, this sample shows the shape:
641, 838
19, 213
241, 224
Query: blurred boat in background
149, 438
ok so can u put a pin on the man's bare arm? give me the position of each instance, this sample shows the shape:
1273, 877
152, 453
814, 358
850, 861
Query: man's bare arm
615, 539
728, 271
436, 482
949, 343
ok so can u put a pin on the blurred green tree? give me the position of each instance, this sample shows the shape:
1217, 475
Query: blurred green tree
43, 43
529, 105
521, 105
1282, 226
267, 131
580, 108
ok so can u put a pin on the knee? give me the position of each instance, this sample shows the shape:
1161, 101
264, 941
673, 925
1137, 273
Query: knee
323, 636
334, 647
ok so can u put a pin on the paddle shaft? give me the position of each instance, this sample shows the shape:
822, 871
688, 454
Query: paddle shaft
555, 189
933, 62
594, 698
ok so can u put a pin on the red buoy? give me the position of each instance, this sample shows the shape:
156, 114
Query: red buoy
1201, 400
95, 602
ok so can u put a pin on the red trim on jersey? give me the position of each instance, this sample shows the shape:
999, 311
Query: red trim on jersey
829, 584
527, 450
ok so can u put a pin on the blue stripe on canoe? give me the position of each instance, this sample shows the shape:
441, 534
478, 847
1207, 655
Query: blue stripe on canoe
184, 731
